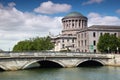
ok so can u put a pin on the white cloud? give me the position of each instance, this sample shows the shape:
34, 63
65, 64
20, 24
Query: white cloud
92, 2
16, 25
11, 4
118, 11
51, 8
97, 19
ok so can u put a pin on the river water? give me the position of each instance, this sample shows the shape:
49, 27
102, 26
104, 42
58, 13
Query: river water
81, 73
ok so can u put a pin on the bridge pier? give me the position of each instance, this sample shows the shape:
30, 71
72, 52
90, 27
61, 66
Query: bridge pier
12, 64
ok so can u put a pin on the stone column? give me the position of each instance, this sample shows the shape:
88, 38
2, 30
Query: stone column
70, 24
81, 24
74, 24
85, 23
77, 23
65, 24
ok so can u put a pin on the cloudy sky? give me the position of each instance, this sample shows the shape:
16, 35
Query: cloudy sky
24, 19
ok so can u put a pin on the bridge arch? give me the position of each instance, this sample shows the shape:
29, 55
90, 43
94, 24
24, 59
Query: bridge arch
58, 63
2, 67
90, 62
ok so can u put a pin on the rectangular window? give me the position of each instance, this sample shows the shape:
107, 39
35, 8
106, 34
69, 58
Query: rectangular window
63, 45
82, 35
94, 43
73, 45
82, 42
67, 40
94, 35
94, 50
101, 34
63, 40
85, 42
79, 23
85, 35
72, 40
115, 34
78, 43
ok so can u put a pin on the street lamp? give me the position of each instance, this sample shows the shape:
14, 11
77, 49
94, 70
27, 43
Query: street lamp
117, 49
108, 49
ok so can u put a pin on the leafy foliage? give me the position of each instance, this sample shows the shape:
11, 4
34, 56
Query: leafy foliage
34, 44
108, 42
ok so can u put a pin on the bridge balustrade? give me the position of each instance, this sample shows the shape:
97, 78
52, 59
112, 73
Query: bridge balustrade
54, 54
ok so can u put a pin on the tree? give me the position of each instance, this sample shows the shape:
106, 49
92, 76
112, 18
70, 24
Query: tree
114, 43
34, 44
108, 43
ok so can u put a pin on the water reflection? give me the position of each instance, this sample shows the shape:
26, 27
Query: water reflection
93, 73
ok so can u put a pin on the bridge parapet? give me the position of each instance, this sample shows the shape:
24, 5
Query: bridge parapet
56, 54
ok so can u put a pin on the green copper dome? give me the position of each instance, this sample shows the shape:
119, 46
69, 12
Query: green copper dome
74, 14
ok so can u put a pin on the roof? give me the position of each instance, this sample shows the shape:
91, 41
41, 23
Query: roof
101, 28
74, 14
104, 27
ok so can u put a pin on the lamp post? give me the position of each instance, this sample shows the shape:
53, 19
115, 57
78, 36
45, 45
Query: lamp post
108, 49
117, 50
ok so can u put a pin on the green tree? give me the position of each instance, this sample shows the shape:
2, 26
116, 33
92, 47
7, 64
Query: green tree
34, 44
107, 43
114, 43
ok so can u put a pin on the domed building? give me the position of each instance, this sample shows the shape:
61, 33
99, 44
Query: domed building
73, 22
78, 37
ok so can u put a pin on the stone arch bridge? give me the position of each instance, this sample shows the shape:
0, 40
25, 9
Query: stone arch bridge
17, 61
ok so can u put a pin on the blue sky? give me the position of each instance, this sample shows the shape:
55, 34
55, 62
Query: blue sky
23, 19
105, 7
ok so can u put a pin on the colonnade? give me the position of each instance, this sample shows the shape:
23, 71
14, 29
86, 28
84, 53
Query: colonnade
74, 24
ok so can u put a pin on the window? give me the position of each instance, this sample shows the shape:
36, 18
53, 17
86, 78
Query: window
78, 35
94, 35
67, 25
79, 23
82, 42
115, 34
63, 40
85, 35
85, 42
94, 50
78, 43
73, 45
67, 40
101, 34
72, 24
82, 35
63, 45
72, 40
94, 42
69, 34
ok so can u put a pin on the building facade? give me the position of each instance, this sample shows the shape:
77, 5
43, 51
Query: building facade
77, 36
